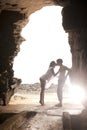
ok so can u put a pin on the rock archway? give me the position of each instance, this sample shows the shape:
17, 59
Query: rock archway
14, 16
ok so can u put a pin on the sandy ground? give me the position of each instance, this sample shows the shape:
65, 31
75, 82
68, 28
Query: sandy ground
48, 117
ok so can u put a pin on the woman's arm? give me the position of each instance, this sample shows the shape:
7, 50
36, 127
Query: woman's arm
55, 74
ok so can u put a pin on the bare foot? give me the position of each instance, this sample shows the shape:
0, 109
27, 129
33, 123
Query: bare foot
42, 103
59, 105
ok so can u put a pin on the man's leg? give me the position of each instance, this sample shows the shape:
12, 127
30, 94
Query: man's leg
59, 92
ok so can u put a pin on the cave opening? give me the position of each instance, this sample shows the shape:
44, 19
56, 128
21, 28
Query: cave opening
46, 40
29, 102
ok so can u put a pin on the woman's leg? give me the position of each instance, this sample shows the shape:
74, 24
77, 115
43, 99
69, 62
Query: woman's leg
42, 83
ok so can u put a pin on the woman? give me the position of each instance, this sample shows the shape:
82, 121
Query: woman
46, 78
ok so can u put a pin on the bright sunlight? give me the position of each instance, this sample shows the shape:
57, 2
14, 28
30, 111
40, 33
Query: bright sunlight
77, 94
46, 40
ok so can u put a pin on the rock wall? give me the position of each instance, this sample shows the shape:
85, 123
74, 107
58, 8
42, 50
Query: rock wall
75, 24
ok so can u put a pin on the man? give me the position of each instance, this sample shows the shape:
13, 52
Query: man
62, 75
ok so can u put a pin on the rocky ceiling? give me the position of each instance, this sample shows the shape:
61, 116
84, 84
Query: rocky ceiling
28, 5
24, 6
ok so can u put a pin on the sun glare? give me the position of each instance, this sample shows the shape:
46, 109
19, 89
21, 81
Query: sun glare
77, 94
46, 40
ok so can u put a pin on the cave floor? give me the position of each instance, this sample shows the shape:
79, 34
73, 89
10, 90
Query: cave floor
47, 117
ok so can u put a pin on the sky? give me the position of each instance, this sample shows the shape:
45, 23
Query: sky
46, 40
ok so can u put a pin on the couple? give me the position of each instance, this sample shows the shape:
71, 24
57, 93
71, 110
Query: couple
50, 74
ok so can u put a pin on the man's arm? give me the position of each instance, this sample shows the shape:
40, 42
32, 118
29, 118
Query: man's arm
68, 69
